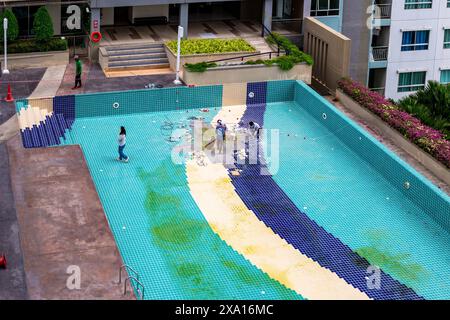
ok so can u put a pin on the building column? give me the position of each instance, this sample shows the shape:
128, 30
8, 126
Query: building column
306, 8
95, 19
280, 5
267, 14
95, 26
184, 17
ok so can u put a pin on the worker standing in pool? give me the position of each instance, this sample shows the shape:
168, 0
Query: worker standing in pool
122, 142
221, 130
254, 129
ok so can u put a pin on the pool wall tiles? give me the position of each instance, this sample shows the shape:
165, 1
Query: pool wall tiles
149, 100
65, 105
421, 192
280, 91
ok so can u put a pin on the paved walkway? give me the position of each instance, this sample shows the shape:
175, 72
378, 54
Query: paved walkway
50, 82
94, 80
23, 82
62, 224
12, 279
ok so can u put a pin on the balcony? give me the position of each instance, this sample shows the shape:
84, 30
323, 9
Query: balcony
380, 53
384, 10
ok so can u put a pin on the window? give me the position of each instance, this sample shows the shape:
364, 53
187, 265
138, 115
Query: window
447, 39
445, 76
448, 3
324, 8
411, 81
418, 4
25, 17
415, 40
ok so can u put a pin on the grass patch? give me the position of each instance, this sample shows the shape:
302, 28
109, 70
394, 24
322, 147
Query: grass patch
202, 46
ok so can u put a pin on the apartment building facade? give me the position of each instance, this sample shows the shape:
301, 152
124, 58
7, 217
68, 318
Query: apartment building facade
410, 45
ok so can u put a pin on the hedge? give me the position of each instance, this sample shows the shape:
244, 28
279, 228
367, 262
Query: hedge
430, 140
202, 46
31, 45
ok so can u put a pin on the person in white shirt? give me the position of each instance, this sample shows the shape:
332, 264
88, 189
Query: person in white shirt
254, 129
221, 129
122, 142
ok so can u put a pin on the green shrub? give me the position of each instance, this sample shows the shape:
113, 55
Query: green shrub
201, 46
31, 45
293, 56
13, 25
431, 105
199, 67
43, 25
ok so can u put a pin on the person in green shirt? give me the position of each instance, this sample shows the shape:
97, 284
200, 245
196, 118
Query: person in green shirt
78, 72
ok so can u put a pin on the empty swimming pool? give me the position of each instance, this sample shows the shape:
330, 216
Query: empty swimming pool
335, 207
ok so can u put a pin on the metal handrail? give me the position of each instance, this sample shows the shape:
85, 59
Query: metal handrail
140, 285
385, 9
279, 45
124, 266
380, 53
245, 56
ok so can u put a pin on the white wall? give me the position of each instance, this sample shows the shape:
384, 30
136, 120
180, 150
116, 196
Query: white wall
434, 19
150, 11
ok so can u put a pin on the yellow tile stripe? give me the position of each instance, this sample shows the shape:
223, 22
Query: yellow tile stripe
229, 217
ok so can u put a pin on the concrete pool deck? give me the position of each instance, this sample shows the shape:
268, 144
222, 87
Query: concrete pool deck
62, 224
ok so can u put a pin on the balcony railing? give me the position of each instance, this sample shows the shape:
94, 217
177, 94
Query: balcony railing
380, 53
385, 10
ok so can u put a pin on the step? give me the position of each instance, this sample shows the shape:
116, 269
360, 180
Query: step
149, 62
134, 47
50, 133
53, 123
42, 134
61, 125
35, 137
114, 53
137, 56
140, 66
26, 138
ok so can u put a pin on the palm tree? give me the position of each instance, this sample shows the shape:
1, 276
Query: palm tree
436, 97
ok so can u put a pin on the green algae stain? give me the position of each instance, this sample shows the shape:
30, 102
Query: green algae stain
394, 264
179, 231
189, 269
157, 202
245, 275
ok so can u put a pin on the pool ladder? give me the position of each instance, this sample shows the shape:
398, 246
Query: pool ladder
140, 289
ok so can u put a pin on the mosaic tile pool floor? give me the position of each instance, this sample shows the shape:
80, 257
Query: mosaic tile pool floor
353, 213
159, 230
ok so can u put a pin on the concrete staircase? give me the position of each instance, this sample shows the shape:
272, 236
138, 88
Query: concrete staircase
133, 56
259, 44
40, 128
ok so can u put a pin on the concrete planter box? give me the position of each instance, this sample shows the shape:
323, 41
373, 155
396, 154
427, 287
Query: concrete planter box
196, 58
247, 73
436, 167
38, 59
